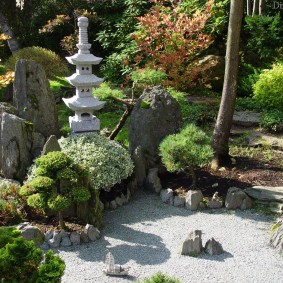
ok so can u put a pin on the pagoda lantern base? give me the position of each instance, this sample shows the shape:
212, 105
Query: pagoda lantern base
92, 124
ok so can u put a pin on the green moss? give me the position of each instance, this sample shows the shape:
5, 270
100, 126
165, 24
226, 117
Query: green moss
145, 104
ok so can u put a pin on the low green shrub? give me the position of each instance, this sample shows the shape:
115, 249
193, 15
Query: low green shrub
272, 120
107, 161
148, 77
52, 64
27, 263
247, 103
160, 278
248, 76
193, 113
188, 149
268, 90
11, 205
105, 92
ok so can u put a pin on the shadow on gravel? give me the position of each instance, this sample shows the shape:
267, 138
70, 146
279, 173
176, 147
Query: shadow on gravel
220, 258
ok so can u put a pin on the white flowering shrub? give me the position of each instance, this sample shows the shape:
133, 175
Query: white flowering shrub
107, 161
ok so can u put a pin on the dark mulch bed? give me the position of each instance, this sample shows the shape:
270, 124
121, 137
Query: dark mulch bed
246, 172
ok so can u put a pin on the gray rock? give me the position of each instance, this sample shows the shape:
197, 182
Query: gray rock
75, 238
179, 201
193, 244
276, 240
112, 204
152, 182
119, 201
213, 247
214, 204
63, 234
65, 241
140, 166
38, 141
7, 108
54, 242
48, 235
124, 199
246, 119
276, 207
101, 204
51, 145
264, 193
149, 126
32, 233
193, 199
84, 237
215, 201
15, 146
107, 205
128, 194
92, 232
237, 198
33, 98
167, 196
45, 246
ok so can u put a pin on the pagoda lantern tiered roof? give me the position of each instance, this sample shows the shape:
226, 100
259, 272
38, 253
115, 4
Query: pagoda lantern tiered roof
83, 103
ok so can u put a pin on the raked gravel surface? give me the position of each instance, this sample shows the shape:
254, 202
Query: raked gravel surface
146, 235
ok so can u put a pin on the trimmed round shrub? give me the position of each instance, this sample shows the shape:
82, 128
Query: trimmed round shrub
52, 64
189, 148
53, 188
268, 90
107, 161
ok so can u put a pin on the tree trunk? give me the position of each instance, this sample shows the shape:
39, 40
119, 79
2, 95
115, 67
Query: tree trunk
5, 28
256, 8
261, 7
249, 8
61, 220
220, 139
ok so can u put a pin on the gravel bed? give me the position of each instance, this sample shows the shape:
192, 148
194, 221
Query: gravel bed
146, 235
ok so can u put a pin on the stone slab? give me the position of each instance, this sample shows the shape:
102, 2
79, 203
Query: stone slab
268, 194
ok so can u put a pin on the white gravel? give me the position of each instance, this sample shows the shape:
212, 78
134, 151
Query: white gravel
146, 235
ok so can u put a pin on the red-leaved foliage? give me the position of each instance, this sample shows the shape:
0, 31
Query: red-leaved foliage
169, 40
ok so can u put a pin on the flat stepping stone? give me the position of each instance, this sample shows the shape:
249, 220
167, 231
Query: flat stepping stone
246, 119
266, 194
259, 139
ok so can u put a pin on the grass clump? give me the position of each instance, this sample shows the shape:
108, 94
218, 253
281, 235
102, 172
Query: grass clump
160, 278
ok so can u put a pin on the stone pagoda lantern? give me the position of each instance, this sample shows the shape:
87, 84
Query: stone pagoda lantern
83, 103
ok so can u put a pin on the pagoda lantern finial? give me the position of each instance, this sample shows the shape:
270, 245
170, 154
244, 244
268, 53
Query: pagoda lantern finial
83, 103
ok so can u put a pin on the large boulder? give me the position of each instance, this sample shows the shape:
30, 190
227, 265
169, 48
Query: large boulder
33, 99
156, 115
237, 198
15, 146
